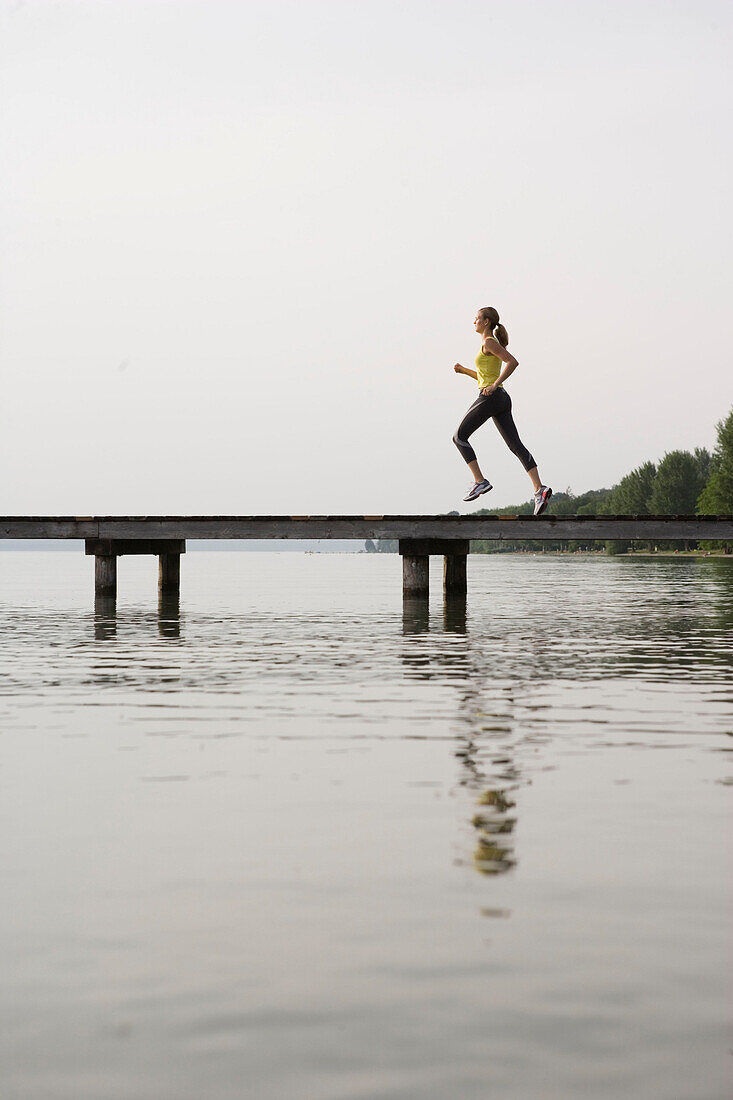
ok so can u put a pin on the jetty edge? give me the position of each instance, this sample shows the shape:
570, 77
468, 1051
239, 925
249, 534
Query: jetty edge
107, 538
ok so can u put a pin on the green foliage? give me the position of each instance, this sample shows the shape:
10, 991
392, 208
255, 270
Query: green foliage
705, 462
680, 480
524, 509
717, 496
631, 496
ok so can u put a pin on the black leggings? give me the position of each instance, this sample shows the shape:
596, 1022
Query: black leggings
498, 405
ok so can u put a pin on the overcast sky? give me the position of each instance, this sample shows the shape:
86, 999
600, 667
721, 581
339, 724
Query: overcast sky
242, 245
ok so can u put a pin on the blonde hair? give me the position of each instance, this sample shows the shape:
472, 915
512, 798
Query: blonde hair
488, 313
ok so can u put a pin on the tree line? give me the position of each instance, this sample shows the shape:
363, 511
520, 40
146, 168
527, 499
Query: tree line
681, 483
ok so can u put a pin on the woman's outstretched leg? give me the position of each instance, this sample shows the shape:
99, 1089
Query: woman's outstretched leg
477, 415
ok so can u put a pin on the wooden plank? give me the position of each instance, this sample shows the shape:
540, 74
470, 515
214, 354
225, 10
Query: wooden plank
48, 527
134, 546
540, 528
136, 528
434, 546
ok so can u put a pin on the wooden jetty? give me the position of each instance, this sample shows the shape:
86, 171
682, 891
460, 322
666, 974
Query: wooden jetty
419, 537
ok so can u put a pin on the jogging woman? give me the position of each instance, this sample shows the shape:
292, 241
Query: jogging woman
494, 364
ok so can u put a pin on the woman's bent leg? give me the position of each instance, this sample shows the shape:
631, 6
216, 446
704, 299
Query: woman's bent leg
477, 415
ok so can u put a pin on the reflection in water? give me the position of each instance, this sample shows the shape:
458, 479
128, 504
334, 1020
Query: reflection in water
493, 773
105, 618
415, 615
494, 825
722, 591
485, 768
169, 614
121, 667
454, 615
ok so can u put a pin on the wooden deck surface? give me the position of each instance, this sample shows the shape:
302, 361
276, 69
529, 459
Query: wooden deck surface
657, 528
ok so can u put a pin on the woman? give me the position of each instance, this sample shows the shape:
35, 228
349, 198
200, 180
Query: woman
494, 364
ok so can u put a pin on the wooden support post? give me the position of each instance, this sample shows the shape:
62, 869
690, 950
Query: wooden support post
107, 551
454, 575
415, 562
169, 574
415, 575
105, 576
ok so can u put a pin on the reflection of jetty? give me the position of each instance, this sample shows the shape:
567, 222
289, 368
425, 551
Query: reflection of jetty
109, 537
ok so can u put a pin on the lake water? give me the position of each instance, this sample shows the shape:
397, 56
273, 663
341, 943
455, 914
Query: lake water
299, 842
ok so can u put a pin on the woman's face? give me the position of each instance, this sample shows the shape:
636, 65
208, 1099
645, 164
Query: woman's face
480, 323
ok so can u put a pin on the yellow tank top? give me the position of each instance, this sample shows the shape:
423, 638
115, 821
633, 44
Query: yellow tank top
488, 369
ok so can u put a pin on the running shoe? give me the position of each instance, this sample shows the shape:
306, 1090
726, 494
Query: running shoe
541, 498
477, 489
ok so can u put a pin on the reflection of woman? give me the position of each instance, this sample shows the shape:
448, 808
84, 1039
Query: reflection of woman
494, 364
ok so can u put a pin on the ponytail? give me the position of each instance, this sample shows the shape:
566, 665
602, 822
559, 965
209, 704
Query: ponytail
501, 335
497, 330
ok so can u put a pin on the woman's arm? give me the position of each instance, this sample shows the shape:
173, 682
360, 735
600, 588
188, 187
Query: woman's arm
465, 370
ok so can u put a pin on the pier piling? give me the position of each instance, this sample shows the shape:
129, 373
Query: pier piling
105, 576
107, 551
169, 574
415, 575
454, 572
416, 555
